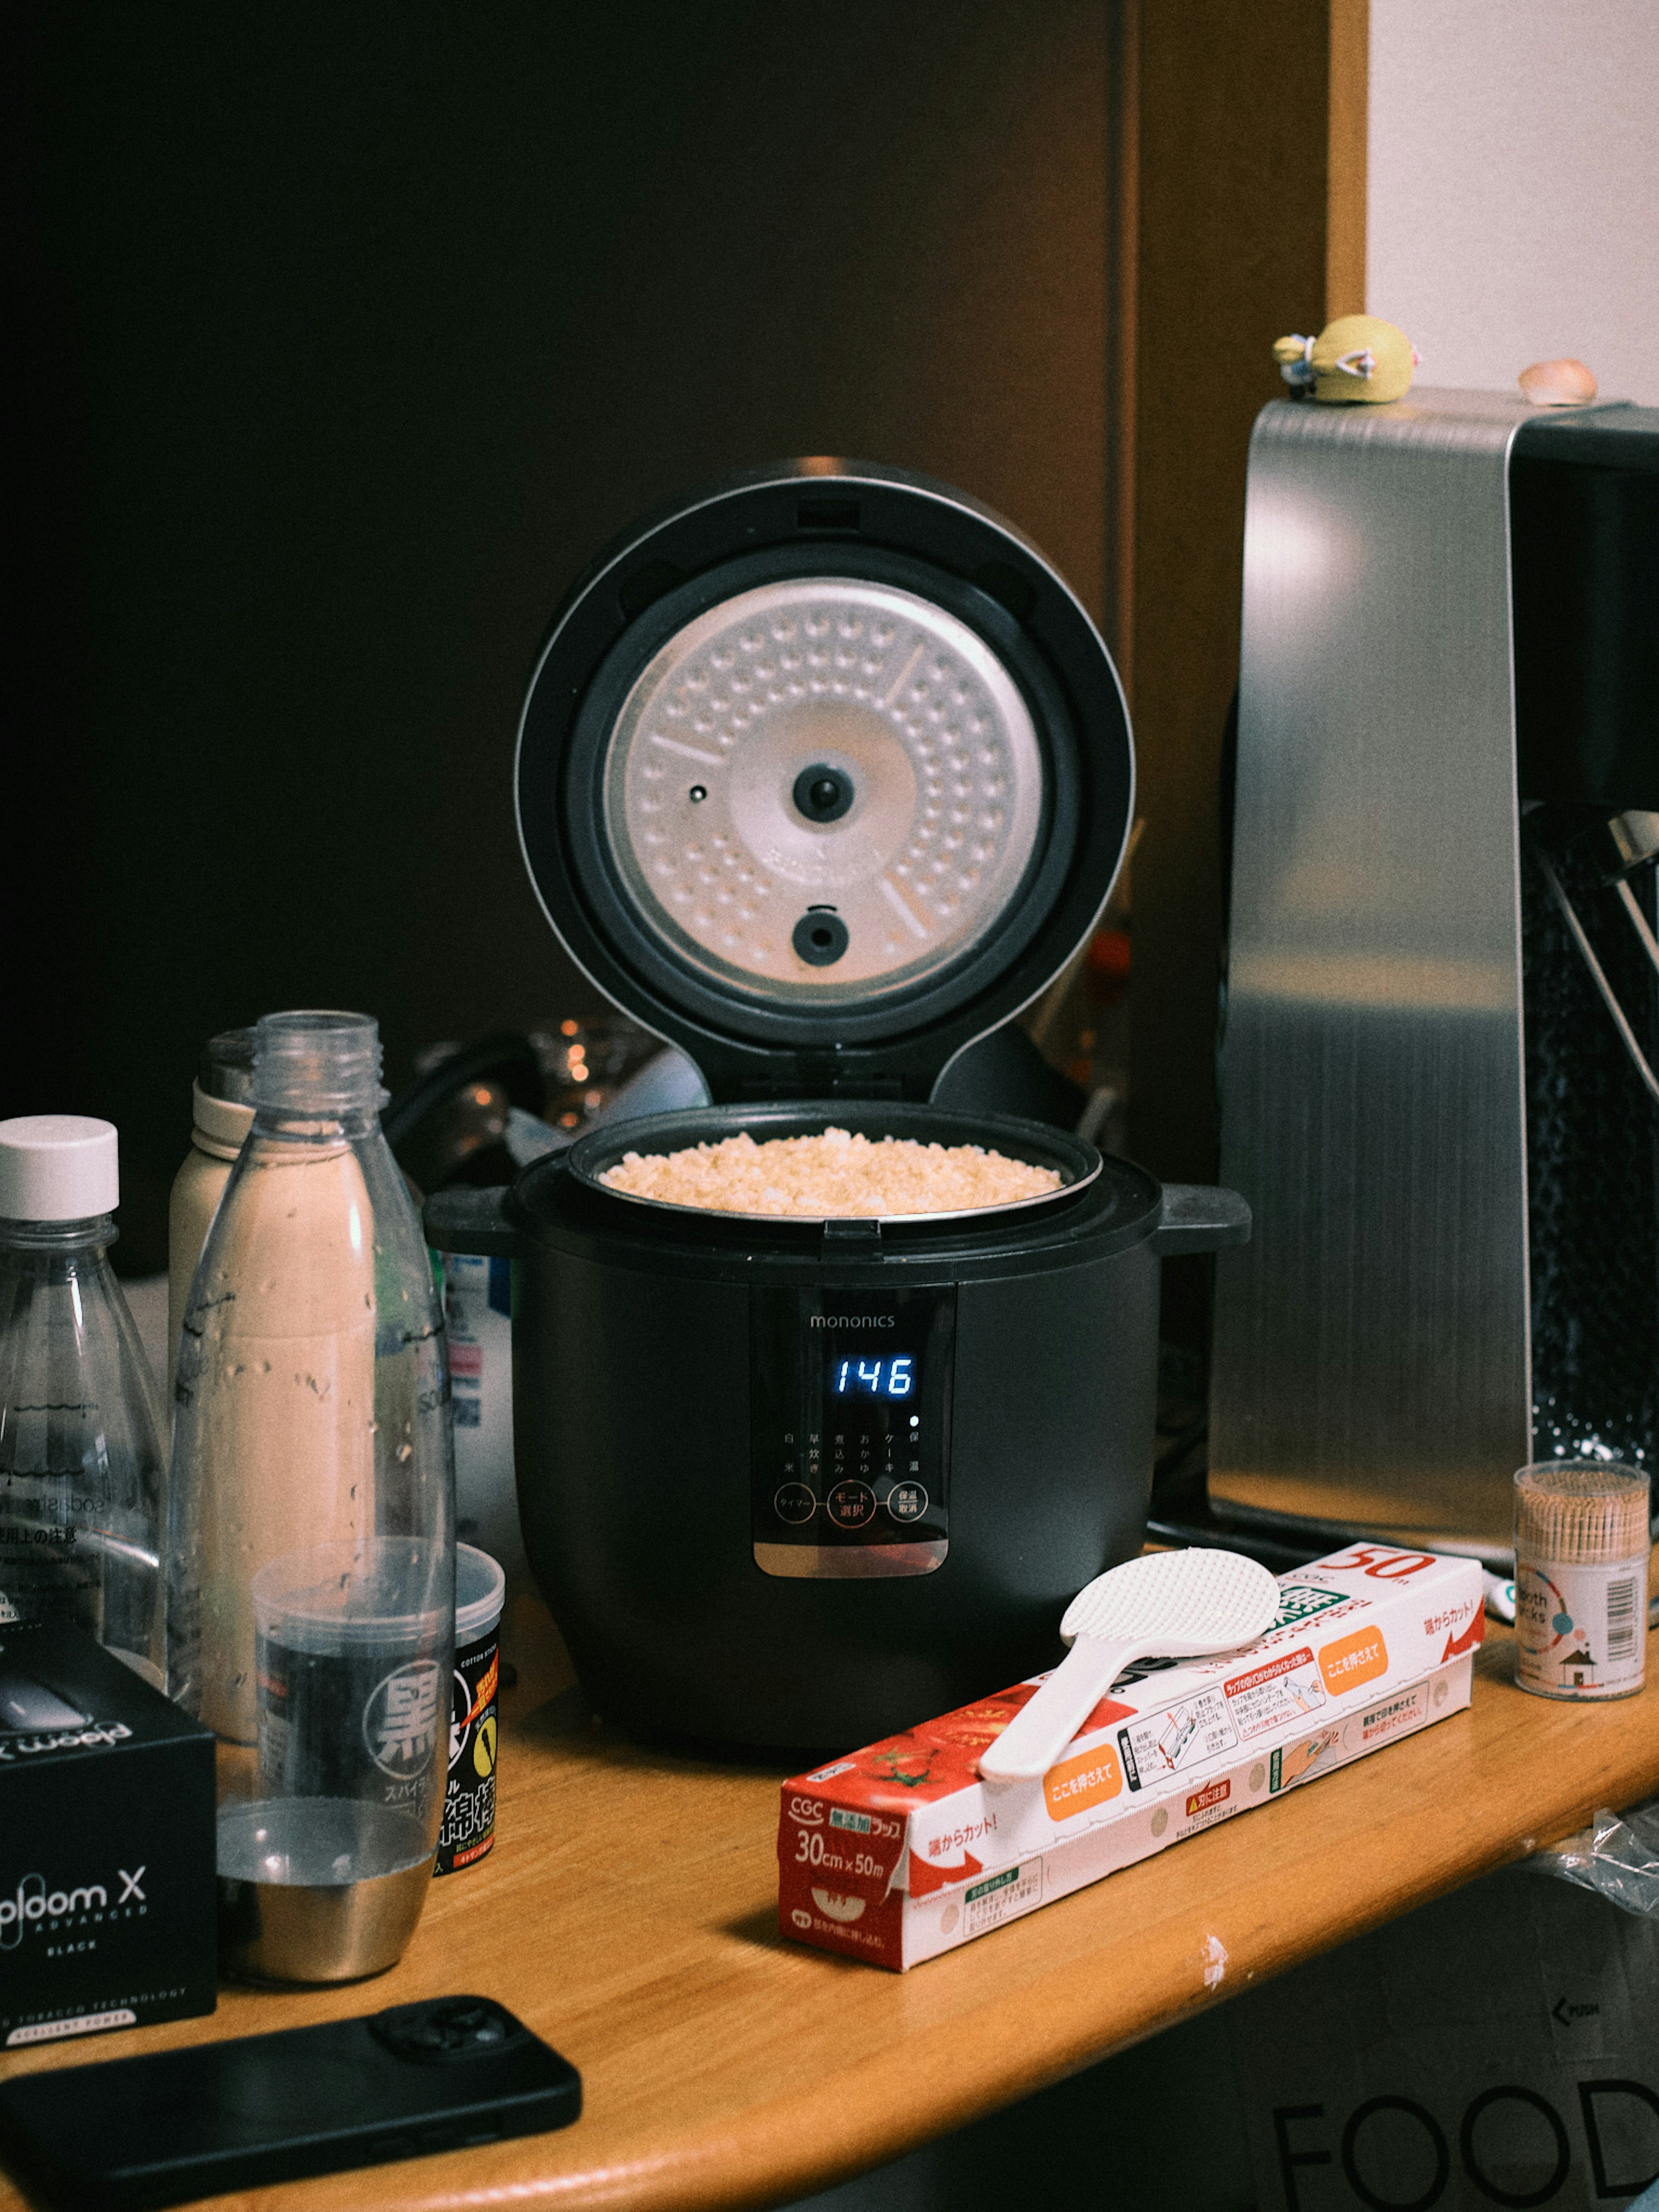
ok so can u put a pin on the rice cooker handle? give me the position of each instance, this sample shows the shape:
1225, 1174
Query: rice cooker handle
1198, 1217
465, 1219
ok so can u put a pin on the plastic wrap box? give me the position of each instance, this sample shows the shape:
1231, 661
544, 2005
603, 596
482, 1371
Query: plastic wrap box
900, 1851
106, 1837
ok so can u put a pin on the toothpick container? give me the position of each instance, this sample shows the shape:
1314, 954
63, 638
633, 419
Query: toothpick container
1581, 1578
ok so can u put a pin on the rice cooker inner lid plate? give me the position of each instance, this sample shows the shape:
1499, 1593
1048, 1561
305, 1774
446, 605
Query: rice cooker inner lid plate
822, 758
823, 774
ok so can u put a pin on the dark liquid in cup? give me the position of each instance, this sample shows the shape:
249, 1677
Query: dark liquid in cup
369, 1722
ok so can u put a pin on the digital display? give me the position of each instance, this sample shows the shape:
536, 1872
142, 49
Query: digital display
850, 1427
890, 1377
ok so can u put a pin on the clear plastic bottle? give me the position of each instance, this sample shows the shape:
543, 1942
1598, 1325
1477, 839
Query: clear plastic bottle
311, 1529
81, 1467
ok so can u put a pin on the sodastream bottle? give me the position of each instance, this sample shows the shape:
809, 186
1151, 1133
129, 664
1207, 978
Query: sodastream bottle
310, 1552
80, 1457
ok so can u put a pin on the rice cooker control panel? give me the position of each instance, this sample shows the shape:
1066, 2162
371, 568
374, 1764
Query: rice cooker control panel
849, 1395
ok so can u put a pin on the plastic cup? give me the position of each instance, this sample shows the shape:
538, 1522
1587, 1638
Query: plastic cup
468, 1833
323, 1873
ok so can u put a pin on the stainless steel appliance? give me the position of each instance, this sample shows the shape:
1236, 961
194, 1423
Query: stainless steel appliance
1439, 1041
823, 775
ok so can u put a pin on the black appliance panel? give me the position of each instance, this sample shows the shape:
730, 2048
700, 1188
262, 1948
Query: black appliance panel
637, 1503
1584, 554
849, 1428
1592, 1173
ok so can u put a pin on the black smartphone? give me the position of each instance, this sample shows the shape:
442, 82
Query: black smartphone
175, 2125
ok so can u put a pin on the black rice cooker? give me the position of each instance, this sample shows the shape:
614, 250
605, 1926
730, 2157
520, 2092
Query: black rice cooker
823, 775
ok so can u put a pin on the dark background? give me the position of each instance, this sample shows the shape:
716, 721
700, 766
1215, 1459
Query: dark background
343, 338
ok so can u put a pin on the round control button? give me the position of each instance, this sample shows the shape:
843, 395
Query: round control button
907, 1501
851, 1504
794, 1502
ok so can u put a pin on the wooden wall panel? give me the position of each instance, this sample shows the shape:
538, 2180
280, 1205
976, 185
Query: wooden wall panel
1346, 139
1234, 131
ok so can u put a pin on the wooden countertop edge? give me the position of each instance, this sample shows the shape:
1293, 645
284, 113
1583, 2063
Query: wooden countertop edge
1090, 1975
851, 2121
1061, 2024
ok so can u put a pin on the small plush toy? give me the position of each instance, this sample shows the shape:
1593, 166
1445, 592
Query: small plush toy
1355, 357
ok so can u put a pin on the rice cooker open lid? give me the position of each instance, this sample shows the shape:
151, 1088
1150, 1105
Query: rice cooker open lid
823, 773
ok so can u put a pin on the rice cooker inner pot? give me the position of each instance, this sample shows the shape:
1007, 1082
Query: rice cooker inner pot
1077, 1165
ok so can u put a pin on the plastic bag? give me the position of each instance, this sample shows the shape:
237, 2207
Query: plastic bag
1617, 1857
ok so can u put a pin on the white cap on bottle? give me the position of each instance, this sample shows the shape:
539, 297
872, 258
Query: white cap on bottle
57, 1167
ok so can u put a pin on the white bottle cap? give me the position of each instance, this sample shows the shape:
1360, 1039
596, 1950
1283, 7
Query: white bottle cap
57, 1167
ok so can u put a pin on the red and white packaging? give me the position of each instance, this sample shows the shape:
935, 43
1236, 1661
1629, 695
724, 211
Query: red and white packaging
900, 1851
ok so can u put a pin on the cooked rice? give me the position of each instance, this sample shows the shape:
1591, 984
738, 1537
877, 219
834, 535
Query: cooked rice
832, 1174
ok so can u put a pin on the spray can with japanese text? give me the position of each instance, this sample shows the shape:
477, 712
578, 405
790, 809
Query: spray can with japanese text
469, 1824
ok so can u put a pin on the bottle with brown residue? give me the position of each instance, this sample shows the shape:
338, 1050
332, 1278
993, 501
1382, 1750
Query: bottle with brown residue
310, 1524
221, 1113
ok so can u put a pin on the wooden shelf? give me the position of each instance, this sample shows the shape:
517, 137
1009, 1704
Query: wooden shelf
628, 1915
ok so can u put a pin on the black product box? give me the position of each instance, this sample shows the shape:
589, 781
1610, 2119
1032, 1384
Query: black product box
106, 1844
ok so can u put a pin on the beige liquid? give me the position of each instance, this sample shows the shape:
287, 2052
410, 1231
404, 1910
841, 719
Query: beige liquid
285, 1305
219, 1128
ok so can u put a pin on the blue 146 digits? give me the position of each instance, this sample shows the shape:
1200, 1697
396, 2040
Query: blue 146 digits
876, 1378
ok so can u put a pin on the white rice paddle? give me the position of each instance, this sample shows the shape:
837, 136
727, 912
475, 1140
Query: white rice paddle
1173, 1605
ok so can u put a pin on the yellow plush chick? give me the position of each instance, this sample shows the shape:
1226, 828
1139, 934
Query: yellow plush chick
1356, 357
